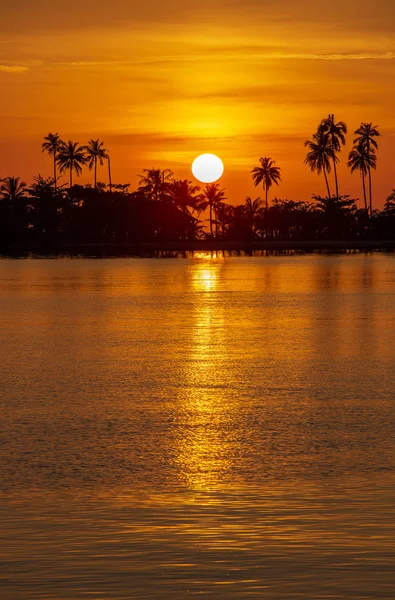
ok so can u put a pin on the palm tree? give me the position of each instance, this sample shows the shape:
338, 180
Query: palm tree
365, 138
337, 137
95, 153
154, 182
362, 160
212, 198
252, 209
71, 157
184, 194
52, 144
389, 206
13, 189
319, 155
267, 174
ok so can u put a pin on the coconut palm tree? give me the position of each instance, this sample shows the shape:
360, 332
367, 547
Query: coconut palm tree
252, 210
213, 197
154, 183
267, 174
389, 206
52, 144
95, 153
366, 134
71, 157
13, 189
184, 194
361, 160
319, 155
337, 137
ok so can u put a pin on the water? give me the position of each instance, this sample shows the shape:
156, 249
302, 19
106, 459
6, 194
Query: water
209, 426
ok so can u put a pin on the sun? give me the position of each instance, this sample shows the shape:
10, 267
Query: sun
207, 168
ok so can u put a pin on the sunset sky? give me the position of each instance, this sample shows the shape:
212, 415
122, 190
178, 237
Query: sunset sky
161, 84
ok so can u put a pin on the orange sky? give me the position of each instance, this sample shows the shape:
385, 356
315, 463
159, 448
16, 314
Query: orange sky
162, 84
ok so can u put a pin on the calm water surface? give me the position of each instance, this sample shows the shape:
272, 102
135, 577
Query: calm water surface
207, 426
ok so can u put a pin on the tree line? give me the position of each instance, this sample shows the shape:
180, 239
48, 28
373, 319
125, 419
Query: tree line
162, 207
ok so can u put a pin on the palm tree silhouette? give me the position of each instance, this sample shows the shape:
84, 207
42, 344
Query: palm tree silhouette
71, 157
184, 194
320, 154
362, 160
213, 197
337, 137
252, 209
154, 182
95, 153
366, 134
267, 174
389, 206
52, 144
13, 189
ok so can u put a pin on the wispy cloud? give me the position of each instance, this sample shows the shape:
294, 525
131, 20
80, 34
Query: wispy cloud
13, 69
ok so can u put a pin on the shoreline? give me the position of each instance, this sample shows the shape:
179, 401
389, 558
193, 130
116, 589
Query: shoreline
184, 248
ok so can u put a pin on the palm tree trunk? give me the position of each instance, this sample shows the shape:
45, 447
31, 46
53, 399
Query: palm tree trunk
95, 172
267, 202
109, 174
211, 219
336, 181
364, 190
54, 169
71, 177
327, 184
370, 192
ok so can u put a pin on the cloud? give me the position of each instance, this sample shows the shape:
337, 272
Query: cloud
13, 69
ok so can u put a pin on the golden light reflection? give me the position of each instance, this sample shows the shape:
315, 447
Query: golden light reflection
203, 451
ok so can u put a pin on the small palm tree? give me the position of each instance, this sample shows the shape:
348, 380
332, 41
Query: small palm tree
366, 134
184, 194
213, 197
389, 206
52, 144
154, 183
95, 153
252, 210
13, 189
267, 174
320, 155
361, 160
71, 157
337, 137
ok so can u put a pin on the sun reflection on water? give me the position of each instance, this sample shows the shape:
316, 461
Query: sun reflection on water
203, 451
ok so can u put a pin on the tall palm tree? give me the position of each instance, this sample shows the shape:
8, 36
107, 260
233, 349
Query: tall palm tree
337, 137
319, 155
361, 160
184, 194
71, 157
366, 134
267, 174
13, 189
154, 183
213, 197
52, 144
95, 152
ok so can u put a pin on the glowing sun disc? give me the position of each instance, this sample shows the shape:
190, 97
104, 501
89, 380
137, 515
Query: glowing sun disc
207, 168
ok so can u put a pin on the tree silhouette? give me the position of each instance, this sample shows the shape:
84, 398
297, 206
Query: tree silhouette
155, 183
337, 137
52, 144
13, 189
95, 152
252, 210
360, 159
366, 134
71, 157
389, 206
267, 174
184, 194
213, 196
320, 154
